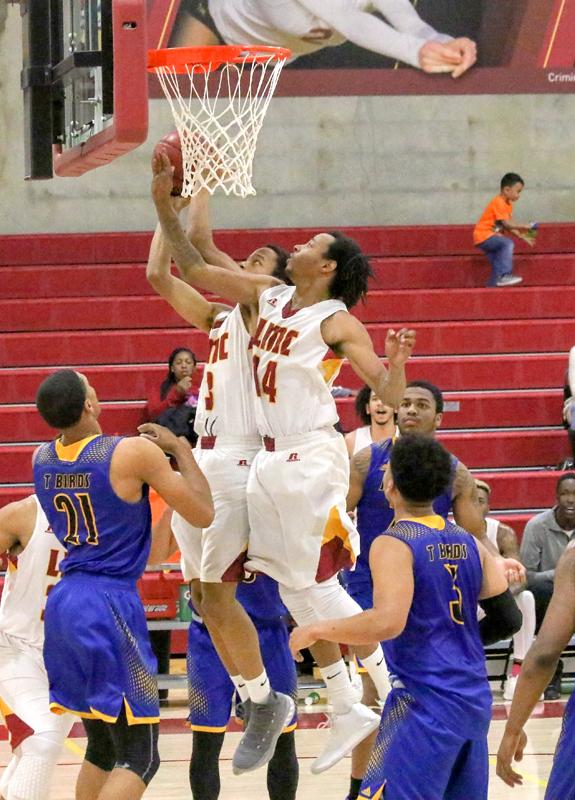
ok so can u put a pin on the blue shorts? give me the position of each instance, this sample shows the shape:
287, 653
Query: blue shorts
210, 689
97, 650
360, 590
415, 757
561, 784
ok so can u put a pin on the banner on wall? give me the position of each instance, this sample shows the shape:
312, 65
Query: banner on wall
394, 47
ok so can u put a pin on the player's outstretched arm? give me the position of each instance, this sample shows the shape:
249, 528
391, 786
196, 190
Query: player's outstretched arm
17, 521
539, 666
348, 337
183, 298
391, 564
239, 287
200, 233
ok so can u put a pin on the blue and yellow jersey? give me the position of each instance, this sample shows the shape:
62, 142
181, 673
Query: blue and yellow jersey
102, 533
439, 656
374, 514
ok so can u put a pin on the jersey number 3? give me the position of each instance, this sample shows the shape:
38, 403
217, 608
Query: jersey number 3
455, 606
67, 505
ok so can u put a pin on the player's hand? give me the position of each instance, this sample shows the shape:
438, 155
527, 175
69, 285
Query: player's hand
158, 434
300, 639
467, 52
399, 346
511, 747
162, 183
178, 202
514, 571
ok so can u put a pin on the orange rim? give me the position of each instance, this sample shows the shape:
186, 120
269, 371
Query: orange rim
180, 58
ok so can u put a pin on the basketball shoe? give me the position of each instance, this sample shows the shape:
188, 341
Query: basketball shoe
264, 723
346, 731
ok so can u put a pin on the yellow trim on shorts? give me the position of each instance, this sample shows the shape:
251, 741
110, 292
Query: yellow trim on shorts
5, 709
132, 720
361, 670
93, 713
206, 728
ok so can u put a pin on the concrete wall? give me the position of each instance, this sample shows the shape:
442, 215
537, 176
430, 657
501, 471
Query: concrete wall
320, 161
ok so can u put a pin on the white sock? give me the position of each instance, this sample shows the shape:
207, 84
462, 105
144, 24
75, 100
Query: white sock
377, 670
338, 685
259, 689
241, 687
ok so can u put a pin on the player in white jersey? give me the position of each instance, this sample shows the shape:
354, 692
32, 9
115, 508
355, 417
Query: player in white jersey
504, 539
36, 735
227, 444
300, 533
378, 421
306, 26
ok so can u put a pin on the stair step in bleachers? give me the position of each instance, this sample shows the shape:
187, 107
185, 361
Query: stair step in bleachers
500, 355
408, 306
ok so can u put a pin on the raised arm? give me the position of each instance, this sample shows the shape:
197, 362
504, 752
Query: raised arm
539, 666
183, 298
239, 287
348, 337
200, 233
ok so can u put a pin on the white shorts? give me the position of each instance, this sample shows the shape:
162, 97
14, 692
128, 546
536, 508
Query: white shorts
217, 554
300, 532
24, 694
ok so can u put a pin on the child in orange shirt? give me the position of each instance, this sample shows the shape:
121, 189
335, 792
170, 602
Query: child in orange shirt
495, 222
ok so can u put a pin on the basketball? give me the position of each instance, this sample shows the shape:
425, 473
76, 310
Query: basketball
171, 146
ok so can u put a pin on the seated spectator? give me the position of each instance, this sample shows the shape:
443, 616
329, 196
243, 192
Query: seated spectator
504, 539
545, 538
569, 410
174, 404
378, 421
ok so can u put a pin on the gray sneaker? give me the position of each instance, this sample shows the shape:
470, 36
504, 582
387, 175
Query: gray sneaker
509, 280
264, 726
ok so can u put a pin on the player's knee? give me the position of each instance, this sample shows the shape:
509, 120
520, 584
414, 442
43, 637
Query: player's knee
100, 748
217, 599
298, 604
31, 778
45, 745
138, 751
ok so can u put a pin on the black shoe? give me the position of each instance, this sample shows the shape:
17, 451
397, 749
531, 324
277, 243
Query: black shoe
553, 691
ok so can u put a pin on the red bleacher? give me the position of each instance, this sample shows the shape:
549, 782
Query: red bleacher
499, 355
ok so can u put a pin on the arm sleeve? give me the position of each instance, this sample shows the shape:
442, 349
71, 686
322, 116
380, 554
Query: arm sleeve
365, 30
155, 405
502, 618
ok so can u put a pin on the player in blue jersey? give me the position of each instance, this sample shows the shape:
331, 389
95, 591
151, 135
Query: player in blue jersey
538, 667
210, 688
428, 577
94, 491
420, 411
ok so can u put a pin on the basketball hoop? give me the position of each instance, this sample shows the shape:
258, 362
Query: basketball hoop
220, 116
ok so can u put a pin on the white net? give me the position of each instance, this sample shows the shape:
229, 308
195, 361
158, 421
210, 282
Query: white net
220, 119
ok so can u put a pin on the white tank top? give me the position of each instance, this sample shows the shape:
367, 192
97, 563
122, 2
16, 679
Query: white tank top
362, 438
28, 582
491, 530
280, 23
226, 401
293, 375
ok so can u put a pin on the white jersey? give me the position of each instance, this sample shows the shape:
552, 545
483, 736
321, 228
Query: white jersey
306, 26
293, 375
363, 438
226, 401
28, 583
491, 530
